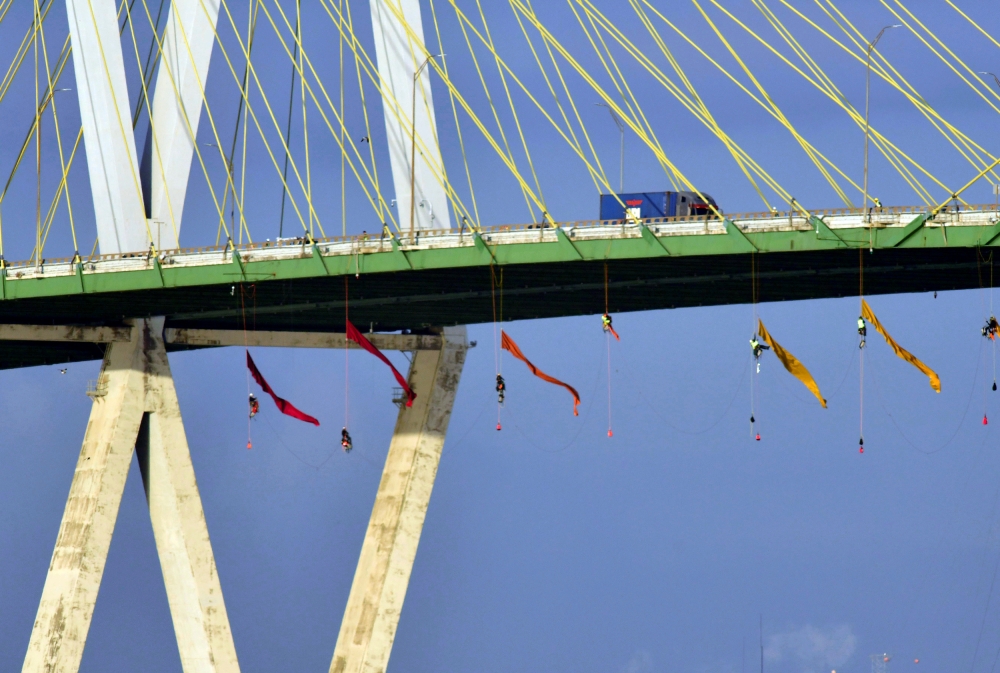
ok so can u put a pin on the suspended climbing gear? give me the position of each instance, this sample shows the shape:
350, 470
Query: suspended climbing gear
862, 331
345, 440
254, 405
501, 389
991, 329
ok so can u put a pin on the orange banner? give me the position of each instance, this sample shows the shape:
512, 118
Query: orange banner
508, 345
867, 314
794, 367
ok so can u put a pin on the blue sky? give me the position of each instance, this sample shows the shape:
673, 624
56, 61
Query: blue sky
549, 546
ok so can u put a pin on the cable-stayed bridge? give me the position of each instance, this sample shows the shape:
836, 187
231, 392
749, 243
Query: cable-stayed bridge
141, 115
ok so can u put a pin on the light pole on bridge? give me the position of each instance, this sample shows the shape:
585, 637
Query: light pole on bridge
868, 79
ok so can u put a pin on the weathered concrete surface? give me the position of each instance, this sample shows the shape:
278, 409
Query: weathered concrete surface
198, 611
74, 578
65, 333
223, 337
140, 403
390, 546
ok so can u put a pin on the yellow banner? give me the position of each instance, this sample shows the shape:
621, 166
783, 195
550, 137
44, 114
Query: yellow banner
794, 367
866, 313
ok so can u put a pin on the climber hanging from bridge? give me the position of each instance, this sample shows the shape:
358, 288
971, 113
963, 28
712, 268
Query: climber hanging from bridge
254, 405
862, 330
991, 328
501, 389
345, 440
758, 349
608, 327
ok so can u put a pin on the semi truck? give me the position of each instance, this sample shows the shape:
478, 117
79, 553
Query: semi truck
644, 205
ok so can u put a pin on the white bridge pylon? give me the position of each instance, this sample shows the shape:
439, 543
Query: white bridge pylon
139, 204
135, 405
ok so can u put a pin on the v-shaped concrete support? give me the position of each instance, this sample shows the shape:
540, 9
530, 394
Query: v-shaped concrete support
135, 406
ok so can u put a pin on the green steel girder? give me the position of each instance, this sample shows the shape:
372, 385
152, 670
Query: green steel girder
413, 288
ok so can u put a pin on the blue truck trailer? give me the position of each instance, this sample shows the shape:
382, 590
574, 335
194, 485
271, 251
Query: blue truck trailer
644, 205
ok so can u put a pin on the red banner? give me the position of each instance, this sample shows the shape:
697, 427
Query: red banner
284, 406
357, 337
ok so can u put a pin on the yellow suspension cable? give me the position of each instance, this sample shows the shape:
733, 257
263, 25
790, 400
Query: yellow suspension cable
489, 98
629, 100
468, 109
878, 139
767, 108
220, 208
638, 130
572, 102
50, 215
152, 122
694, 109
531, 97
781, 116
382, 206
555, 97
861, 44
458, 129
267, 105
308, 87
394, 108
59, 143
513, 110
828, 86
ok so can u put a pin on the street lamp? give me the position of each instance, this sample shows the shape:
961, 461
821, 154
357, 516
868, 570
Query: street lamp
621, 131
413, 142
868, 77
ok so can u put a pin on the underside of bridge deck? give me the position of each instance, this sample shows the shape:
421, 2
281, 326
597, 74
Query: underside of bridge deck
413, 300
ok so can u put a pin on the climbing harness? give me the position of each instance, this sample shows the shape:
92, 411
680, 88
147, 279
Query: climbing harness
345, 440
501, 389
254, 405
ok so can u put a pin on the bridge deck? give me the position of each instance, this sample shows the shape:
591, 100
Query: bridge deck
444, 277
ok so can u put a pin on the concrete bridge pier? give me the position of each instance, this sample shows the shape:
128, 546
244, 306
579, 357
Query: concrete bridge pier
135, 406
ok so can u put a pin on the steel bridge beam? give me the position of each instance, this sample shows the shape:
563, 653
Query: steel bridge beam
135, 405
